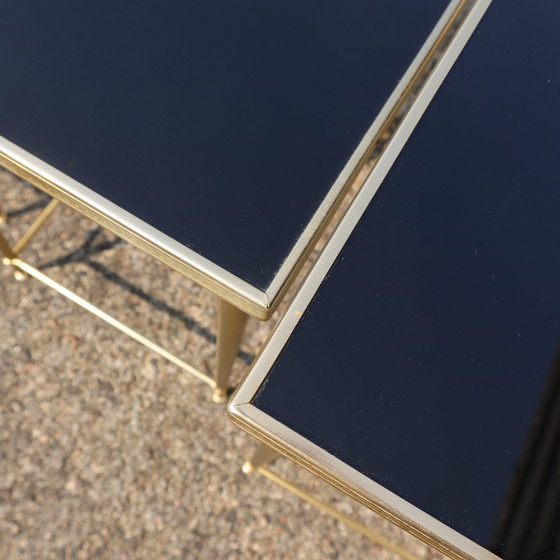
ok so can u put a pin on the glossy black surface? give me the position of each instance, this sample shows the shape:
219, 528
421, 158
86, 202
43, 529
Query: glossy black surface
429, 358
223, 124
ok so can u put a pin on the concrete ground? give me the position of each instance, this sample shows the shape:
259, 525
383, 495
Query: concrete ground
109, 451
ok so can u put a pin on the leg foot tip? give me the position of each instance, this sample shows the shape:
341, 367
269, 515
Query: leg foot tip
219, 395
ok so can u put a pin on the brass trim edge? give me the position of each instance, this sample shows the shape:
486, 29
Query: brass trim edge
356, 485
123, 224
375, 141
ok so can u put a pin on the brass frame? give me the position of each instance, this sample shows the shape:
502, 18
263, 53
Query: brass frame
231, 320
230, 288
290, 443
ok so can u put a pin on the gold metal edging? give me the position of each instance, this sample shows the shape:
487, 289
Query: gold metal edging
244, 296
315, 460
405, 95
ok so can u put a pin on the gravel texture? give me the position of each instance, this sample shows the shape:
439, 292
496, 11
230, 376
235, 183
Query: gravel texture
107, 450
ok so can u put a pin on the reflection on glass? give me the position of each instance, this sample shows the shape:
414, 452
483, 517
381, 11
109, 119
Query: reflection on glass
529, 524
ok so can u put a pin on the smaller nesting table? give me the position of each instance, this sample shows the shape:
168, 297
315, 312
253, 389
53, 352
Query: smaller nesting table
220, 138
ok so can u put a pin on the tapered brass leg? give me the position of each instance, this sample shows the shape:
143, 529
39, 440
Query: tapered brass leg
262, 455
6, 250
3, 216
231, 326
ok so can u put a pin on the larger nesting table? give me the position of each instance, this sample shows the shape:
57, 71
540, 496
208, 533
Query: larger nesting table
421, 374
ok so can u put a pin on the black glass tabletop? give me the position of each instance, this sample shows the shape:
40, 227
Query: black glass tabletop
221, 124
429, 358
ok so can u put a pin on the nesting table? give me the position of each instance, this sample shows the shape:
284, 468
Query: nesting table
218, 137
418, 369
